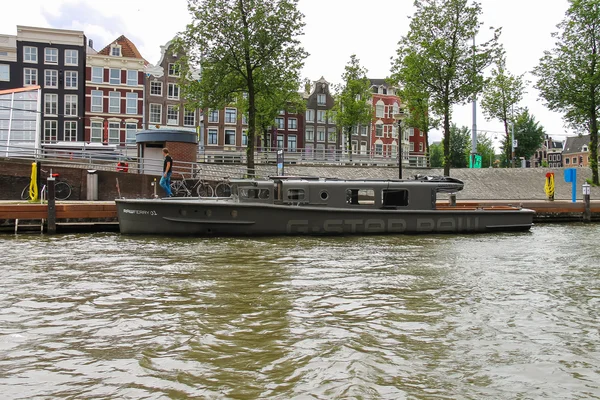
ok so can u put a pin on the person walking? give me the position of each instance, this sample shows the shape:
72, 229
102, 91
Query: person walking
165, 180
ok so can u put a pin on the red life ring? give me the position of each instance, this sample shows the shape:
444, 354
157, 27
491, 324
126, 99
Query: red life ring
122, 166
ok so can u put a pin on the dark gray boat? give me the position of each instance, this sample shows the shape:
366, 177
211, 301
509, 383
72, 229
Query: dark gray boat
313, 206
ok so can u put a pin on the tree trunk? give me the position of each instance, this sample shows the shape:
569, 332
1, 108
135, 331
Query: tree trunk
446, 139
594, 147
251, 99
349, 142
508, 149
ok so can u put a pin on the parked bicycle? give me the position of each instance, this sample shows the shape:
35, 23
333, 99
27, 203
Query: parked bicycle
223, 189
62, 189
184, 187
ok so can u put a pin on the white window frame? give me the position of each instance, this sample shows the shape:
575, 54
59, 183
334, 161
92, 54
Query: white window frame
30, 54
212, 133
310, 115
4, 73
309, 134
173, 69
52, 75
153, 86
321, 116
50, 130
131, 103
321, 99
113, 80
173, 91
95, 77
71, 79
230, 115
70, 131
115, 50
95, 95
71, 57
172, 114
213, 115
71, 101
96, 131
132, 77
114, 102
130, 132
186, 117
293, 124
280, 123
153, 111
292, 143
51, 104
50, 55
245, 137
229, 133
321, 134
30, 76
114, 132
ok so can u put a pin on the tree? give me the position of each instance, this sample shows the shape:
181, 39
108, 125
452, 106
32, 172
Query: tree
436, 155
569, 74
485, 148
529, 135
352, 106
437, 54
502, 93
460, 139
242, 46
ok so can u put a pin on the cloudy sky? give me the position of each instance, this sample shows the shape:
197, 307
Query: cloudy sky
334, 30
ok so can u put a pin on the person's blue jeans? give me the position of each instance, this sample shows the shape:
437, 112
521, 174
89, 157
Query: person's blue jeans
165, 183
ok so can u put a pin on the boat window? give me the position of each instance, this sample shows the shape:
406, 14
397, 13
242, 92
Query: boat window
394, 197
360, 196
254, 193
295, 194
324, 195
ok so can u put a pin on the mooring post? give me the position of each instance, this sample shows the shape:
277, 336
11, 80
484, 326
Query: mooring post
452, 200
50, 189
587, 212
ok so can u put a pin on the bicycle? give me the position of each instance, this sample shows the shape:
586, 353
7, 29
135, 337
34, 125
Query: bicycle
180, 188
62, 189
223, 189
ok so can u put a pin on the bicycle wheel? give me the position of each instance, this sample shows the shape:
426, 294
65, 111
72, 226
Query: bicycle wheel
25, 193
62, 191
179, 189
223, 189
205, 190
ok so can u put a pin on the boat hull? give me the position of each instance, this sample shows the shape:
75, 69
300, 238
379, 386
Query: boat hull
229, 218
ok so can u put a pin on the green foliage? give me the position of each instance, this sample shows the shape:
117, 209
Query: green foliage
436, 155
352, 106
569, 74
437, 57
529, 135
242, 46
502, 93
485, 148
460, 141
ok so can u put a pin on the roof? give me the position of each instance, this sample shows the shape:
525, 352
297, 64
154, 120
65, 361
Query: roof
575, 144
128, 48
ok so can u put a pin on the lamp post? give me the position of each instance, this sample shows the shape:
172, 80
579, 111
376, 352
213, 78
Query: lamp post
399, 117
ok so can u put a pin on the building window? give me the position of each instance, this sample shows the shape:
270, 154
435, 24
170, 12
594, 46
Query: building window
30, 54
71, 79
114, 102
321, 116
230, 137
155, 88
172, 114
421, 146
320, 134
114, 77
213, 116
379, 130
280, 123
97, 74
29, 76
132, 78
155, 113
71, 105
115, 50
51, 104
292, 123
321, 99
50, 56
310, 115
173, 91
292, 143
51, 78
173, 69
97, 105
331, 135
5, 72
113, 132
130, 131
189, 118
71, 57
212, 136
310, 134
244, 119
280, 141
50, 130
230, 115
379, 149
71, 131
412, 146
379, 109
244, 138
96, 133
131, 103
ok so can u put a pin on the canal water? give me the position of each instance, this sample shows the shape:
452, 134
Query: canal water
497, 316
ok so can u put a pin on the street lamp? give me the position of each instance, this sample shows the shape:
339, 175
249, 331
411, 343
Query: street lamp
399, 117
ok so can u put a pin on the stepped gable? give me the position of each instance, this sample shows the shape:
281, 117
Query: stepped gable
128, 49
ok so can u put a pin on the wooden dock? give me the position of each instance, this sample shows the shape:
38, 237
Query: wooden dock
99, 216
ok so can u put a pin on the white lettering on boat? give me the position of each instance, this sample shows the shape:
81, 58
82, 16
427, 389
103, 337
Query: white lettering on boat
139, 212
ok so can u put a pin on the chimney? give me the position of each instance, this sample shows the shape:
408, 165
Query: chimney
91, 43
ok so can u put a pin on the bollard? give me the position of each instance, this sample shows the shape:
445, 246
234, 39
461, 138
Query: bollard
452, 200
50, 190
587, 212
